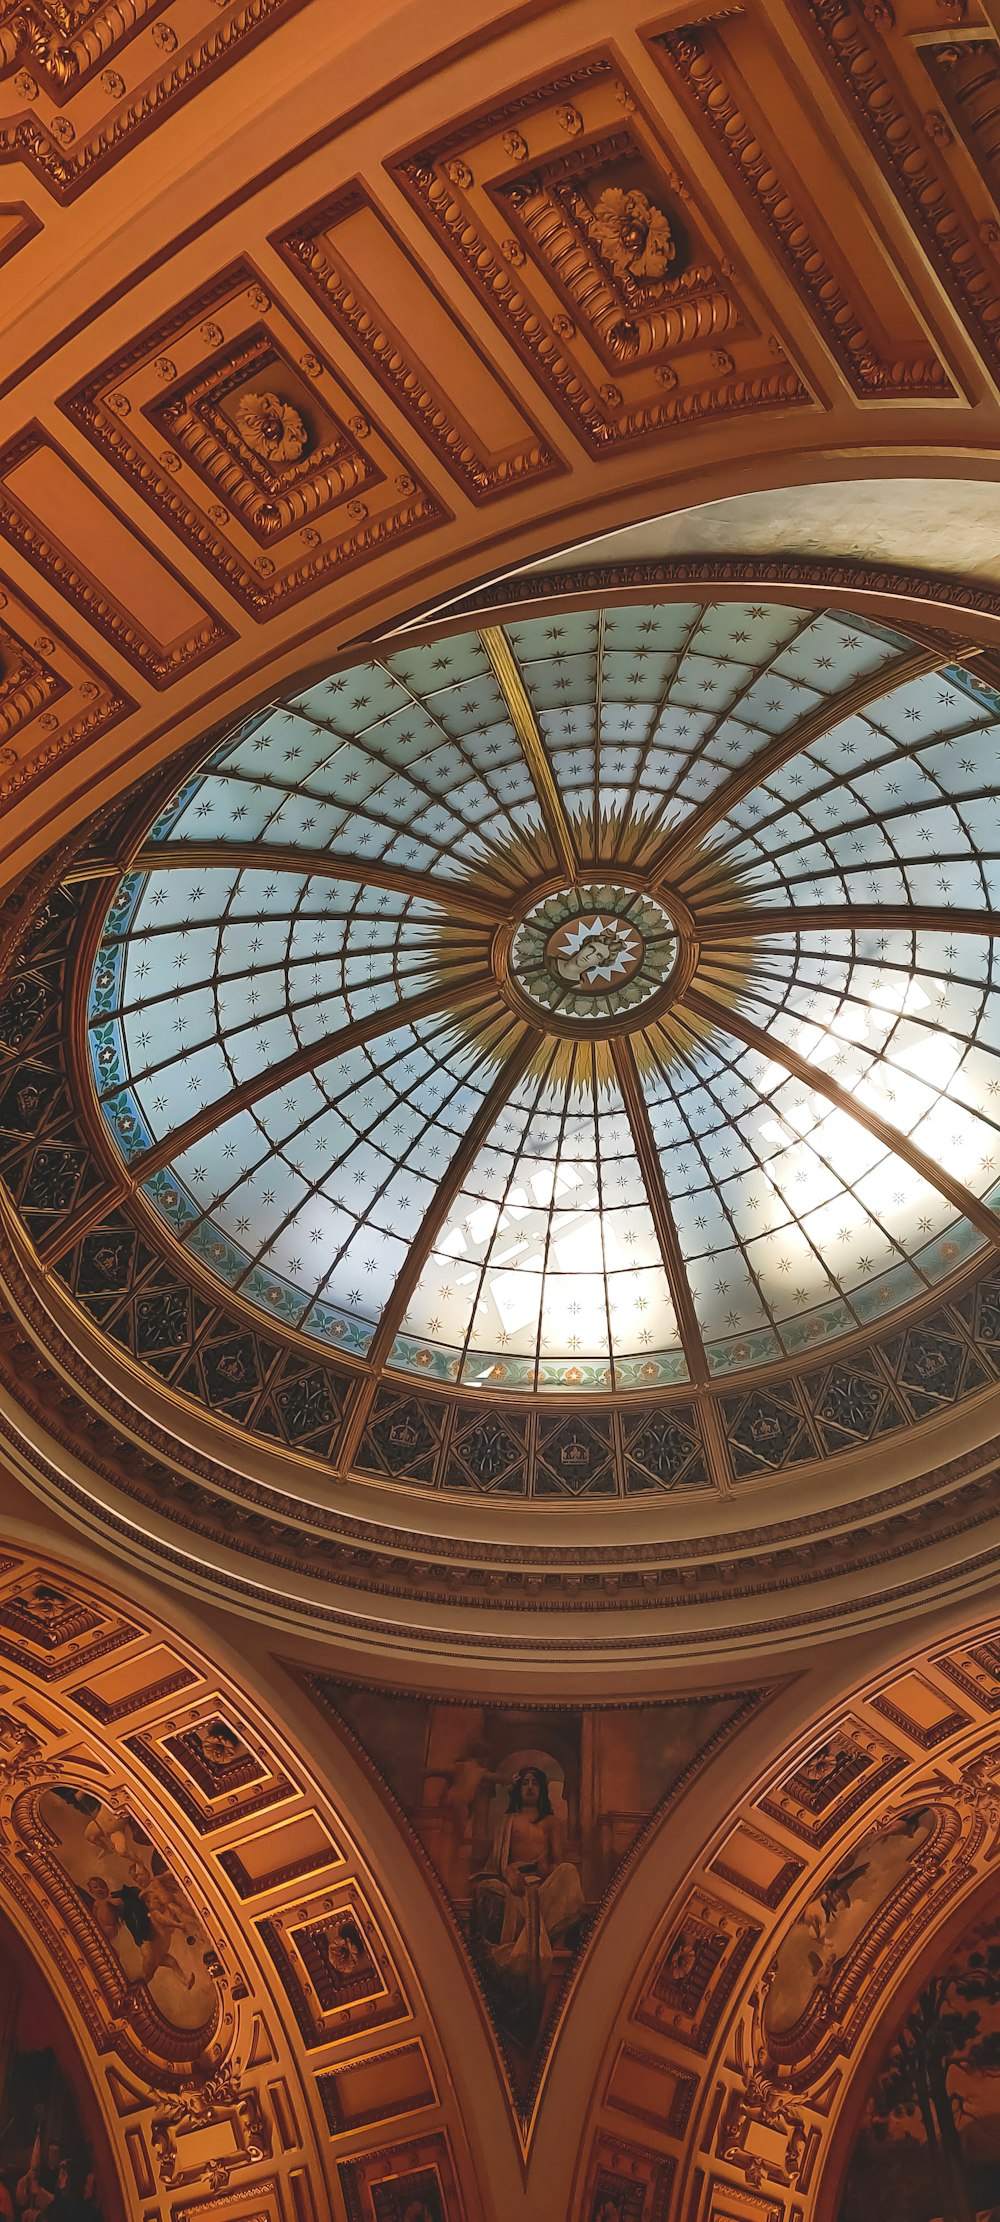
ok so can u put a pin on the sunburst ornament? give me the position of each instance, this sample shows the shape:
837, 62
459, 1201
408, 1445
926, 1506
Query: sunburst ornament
591, 953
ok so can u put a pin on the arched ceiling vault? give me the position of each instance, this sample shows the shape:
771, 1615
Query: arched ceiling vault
242, 1792
735, 2074
488, 360
253, 2030
338, 347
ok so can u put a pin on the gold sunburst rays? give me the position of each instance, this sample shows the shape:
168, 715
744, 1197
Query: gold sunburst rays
709, 881
523, 859
709, 888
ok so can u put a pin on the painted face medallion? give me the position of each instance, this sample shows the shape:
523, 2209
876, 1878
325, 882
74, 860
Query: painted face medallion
593, 953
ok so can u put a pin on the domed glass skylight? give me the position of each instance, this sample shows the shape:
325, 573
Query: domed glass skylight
603, 1002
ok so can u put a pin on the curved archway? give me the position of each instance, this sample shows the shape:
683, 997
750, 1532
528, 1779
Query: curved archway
797, 1935
227, 1965
916, 2125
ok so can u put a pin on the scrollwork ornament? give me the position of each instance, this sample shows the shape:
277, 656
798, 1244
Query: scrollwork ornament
21, 1757
761, 2102
217, 2099
978, 1787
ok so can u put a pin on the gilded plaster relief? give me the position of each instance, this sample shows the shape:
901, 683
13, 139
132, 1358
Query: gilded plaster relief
173, 1869
247, 442
80, 82
798, 1986
599, 259
569, 297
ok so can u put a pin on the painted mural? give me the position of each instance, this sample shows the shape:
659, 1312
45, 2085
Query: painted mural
526, 1814
47, 2169
133, 1900
832, 1922
928, 2148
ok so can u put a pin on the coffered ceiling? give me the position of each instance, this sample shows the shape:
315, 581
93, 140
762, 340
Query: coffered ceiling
297, 347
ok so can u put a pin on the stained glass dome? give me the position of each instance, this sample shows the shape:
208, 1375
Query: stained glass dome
603, 1002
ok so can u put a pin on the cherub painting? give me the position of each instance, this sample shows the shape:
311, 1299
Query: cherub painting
135, 1903
833, 1921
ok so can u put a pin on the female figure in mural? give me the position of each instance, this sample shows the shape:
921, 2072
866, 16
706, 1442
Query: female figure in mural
542, 1890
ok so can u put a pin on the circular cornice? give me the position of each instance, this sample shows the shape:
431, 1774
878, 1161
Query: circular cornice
331, 1534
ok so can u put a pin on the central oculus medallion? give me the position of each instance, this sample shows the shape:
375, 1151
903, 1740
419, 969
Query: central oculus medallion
593, 953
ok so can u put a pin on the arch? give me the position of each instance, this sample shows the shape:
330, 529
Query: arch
974, 1918
255, 2033
793, 1942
